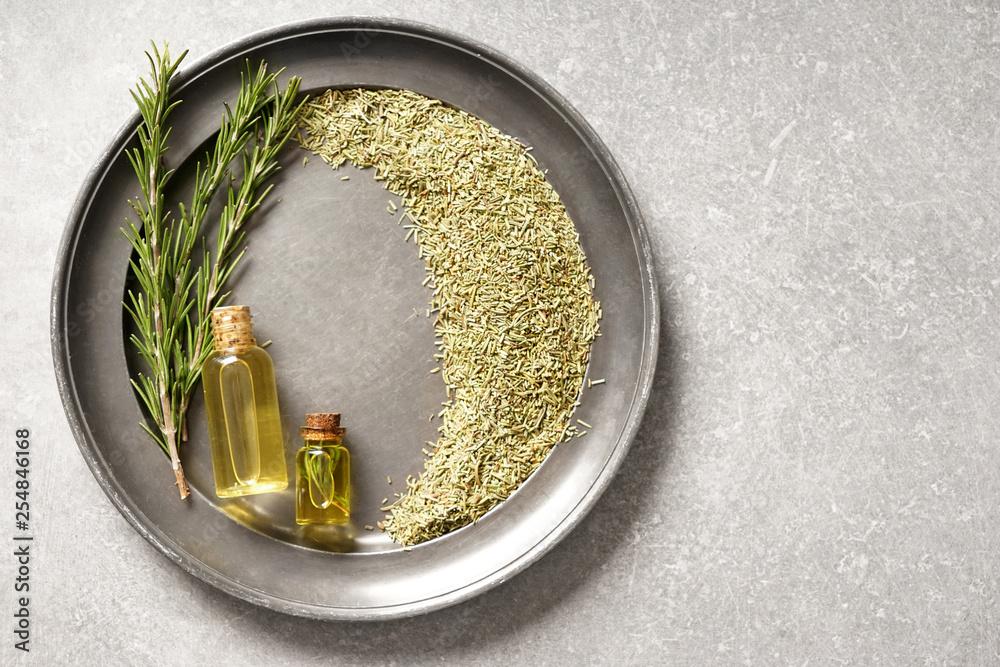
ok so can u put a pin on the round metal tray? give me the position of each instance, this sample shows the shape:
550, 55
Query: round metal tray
331, 281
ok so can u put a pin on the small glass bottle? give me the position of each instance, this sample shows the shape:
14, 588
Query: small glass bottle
241, 401
323, 473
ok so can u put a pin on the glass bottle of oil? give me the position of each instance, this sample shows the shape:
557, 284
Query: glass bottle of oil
241, 401
323, 473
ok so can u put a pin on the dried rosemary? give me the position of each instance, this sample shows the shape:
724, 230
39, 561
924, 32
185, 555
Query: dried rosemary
511, 288
171, 308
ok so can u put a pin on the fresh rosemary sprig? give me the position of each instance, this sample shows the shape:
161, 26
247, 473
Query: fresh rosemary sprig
171, 308
154, 308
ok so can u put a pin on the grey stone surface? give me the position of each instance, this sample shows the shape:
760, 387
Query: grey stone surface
817, 480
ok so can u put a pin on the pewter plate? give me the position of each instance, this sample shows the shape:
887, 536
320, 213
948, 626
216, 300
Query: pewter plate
333, 284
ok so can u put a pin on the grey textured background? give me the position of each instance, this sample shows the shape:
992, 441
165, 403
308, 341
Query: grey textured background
816, 480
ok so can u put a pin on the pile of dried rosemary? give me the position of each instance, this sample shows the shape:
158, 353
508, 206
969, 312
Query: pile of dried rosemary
512, 291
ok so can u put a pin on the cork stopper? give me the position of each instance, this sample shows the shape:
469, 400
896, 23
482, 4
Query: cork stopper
322, 426
232, 327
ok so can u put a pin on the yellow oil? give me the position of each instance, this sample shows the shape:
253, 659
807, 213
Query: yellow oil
244, 423
323, 483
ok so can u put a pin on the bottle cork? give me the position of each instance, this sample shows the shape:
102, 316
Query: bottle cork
322, 426
232, 327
